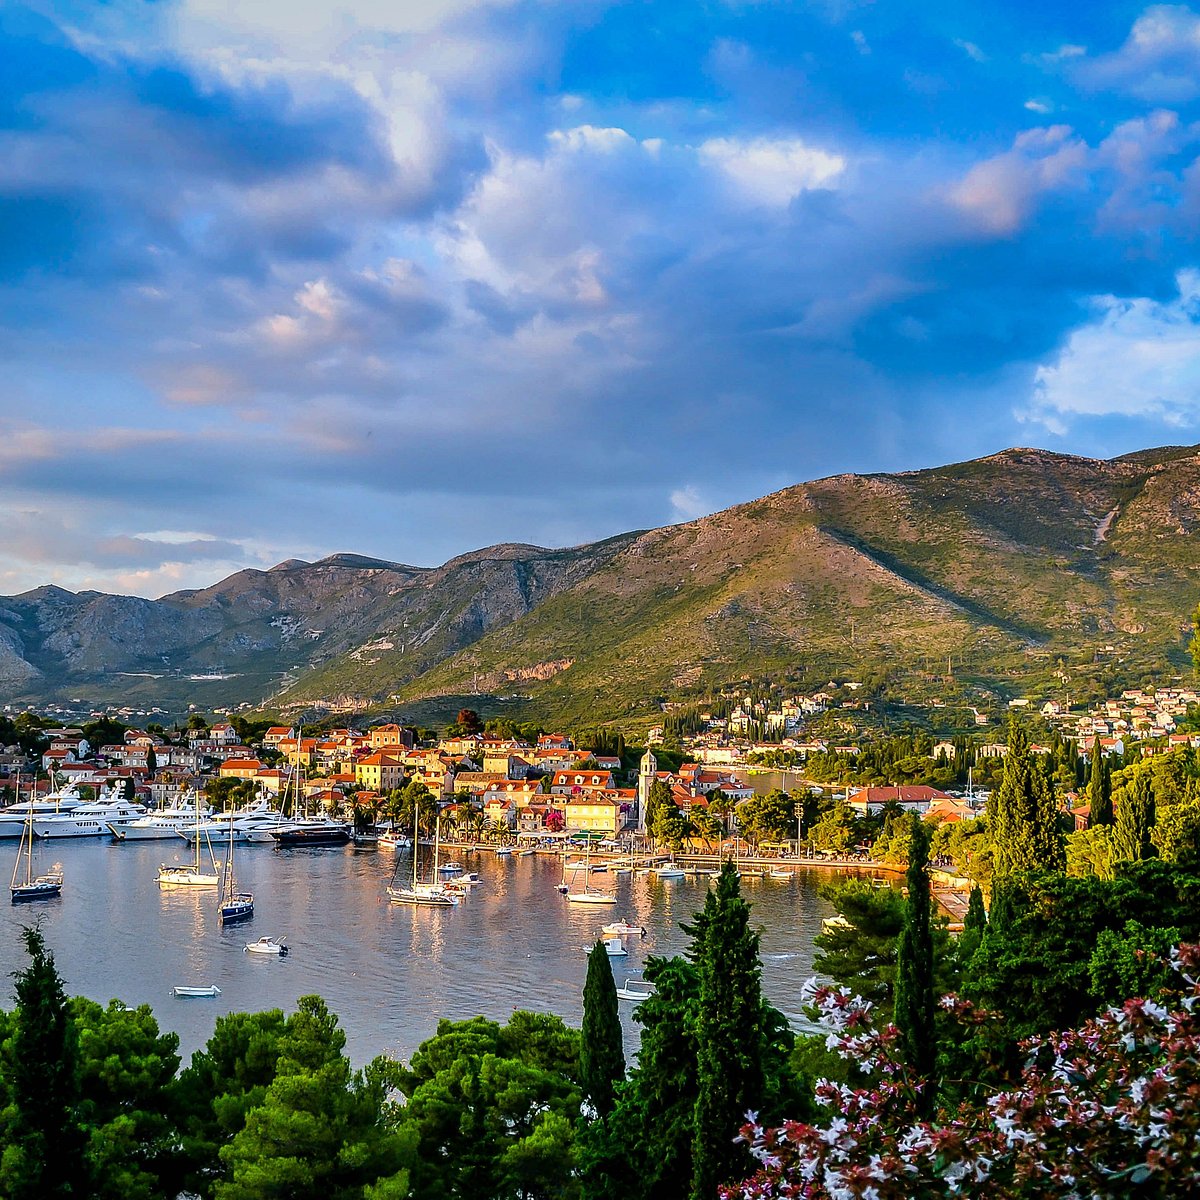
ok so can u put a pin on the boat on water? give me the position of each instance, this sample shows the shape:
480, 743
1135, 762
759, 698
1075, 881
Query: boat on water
46, 886
88, 820
394, 841
779, 873
195, 873
167, 822
635, 990
235, 905
430, 893
266, 945
503, 851
669, 870
257, 817
587, 896
615, 947
526, 852
623, 929
183, 991
15, 817
312, 831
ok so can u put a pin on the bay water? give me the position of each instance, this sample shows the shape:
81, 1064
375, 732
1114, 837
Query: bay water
390, 972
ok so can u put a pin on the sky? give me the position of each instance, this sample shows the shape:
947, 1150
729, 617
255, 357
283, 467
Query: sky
403, 278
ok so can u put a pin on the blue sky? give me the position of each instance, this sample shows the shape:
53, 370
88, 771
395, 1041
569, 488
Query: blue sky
281, 279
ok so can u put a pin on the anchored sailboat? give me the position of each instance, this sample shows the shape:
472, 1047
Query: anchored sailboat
235, 906
40, 887
431, 893
191, 874
587, 896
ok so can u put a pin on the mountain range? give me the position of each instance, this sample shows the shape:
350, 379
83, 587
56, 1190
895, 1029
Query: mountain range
1025, 570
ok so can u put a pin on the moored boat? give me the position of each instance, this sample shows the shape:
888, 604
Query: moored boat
266, 945
183, 991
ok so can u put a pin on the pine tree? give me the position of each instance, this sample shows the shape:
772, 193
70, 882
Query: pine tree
1100, 806
44, 1158
730, 1036
915, 999
601, 1052
1135, 819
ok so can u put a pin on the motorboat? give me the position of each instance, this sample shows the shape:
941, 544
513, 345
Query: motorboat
394, 841
670, 870
526, 852
182, 991
503, 851
312, 831
87, 820
259, 817
615, 948
168, 822
635, 990
623, 929
266, 945
450, 868
13, 819
779, 873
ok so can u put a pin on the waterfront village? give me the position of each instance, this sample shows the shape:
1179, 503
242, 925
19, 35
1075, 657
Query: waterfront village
503, 786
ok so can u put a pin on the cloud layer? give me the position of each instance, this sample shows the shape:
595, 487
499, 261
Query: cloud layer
406, 278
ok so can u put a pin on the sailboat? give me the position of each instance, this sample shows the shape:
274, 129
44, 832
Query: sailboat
191, 874
587, 896
431, 894
235, 906
40, 887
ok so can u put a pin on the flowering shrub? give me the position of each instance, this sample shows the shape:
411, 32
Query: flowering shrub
1111, 1109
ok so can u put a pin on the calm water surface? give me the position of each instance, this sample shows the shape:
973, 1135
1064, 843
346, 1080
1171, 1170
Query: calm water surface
390, 972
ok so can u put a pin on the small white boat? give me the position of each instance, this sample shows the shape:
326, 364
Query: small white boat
181, 990
503, 851
780, 873
623, 929
669, 871
394, 841
615, 948
266, 945
525, 853
635, 990
450, 868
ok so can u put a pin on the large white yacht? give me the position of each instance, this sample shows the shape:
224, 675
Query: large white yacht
169, 822
87, 820
252, 824
13, 818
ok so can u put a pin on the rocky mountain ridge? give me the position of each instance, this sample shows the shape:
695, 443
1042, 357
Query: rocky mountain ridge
1020, 565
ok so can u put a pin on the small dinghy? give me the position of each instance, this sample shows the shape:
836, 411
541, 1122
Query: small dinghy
184, 992
266, 945
615, 947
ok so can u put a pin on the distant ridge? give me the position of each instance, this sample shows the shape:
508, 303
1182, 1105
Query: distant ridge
982, 578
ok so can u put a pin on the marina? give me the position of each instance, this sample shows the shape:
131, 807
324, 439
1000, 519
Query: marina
389, 971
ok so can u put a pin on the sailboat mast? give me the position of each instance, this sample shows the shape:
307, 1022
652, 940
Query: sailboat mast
28, 819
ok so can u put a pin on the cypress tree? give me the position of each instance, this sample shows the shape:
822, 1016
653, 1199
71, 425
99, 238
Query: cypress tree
1100, 806
601, 1052
1135, 819
976, 918
915, 1005
730, 1036
1023, 814
44, 1159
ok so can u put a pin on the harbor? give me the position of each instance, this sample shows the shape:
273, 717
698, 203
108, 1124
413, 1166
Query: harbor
390, 972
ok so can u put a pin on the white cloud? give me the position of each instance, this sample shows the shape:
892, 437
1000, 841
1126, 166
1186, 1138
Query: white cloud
1139, 358
971, 50
687, 504
1159, 61
999, 193
1038, 106
772, 170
